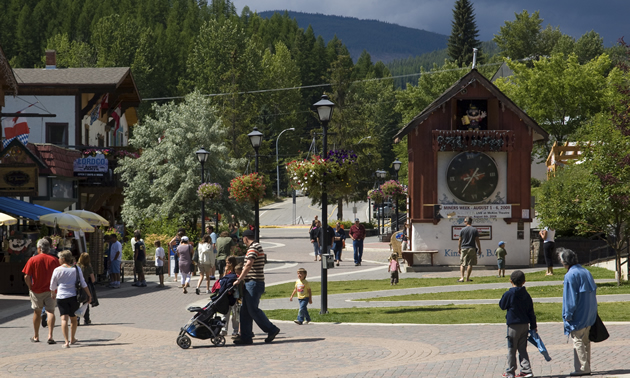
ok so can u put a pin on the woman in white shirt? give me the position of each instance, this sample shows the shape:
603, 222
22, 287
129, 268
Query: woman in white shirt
62, 285
549, 247
206, 262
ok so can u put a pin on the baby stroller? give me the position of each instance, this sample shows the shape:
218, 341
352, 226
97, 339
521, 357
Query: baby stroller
206, 323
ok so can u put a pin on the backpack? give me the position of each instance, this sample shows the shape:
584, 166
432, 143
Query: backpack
141, 249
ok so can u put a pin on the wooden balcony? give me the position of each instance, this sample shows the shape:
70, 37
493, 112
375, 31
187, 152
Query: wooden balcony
461, 140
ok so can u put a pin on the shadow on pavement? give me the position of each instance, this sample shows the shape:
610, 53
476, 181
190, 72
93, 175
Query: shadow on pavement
424, 309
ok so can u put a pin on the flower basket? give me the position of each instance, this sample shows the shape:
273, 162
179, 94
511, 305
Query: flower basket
393, 189
209, 191
247, 188
376, 195
335, 173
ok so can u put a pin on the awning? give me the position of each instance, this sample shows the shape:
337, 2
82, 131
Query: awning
23, 209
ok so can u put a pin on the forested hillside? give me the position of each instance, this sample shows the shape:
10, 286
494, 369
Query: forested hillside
382, 40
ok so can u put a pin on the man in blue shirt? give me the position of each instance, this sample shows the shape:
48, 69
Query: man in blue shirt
579, 310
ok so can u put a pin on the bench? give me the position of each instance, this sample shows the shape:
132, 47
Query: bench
409, 256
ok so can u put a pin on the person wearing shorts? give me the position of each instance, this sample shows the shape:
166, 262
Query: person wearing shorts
37, 273
468, 240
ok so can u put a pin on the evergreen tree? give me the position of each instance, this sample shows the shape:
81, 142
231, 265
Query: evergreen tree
464, 34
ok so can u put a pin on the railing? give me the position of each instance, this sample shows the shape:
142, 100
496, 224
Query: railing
460, 140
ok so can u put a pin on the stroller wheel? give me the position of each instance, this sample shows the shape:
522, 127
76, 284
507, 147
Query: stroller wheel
219, 340
184, 342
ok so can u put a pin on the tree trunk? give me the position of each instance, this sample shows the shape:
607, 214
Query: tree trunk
340, 209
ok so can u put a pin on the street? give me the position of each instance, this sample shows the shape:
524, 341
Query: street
282, 213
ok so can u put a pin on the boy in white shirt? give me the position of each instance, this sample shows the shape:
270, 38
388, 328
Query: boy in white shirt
159, 262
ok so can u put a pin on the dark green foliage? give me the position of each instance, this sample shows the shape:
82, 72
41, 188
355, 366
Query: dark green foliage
464, 34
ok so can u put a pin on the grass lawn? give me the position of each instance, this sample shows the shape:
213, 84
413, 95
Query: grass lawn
341, 287
449, 314
535, 292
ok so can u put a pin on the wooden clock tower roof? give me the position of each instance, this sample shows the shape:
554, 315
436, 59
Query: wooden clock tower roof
471, 77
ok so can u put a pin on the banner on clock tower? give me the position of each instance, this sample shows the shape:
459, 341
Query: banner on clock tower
476, 211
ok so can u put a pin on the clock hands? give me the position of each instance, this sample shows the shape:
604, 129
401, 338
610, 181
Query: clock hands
472, 178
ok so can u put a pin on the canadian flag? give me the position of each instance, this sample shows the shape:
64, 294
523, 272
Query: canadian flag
116, 116
16, 127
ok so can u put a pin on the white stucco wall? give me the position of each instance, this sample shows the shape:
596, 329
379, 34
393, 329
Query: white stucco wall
98, 127
62, 106
427, 236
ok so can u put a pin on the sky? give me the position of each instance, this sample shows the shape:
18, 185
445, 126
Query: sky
574, 17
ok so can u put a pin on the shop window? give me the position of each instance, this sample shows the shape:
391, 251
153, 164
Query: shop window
57, 133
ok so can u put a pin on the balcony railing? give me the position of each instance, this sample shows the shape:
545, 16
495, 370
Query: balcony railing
460, 140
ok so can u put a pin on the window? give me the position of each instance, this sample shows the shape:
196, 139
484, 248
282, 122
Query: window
57, 133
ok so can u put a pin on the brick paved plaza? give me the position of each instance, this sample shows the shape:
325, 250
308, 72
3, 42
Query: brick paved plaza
134, 331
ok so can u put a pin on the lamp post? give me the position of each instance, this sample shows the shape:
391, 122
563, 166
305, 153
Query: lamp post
202, 155
381, 174
277, 163
324, 109
256, 137
396, 164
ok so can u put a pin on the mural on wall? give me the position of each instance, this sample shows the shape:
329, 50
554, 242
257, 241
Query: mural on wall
19, 247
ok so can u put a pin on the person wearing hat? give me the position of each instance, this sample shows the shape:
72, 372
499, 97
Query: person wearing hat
184, 252
357, 234
500, 253
253, 275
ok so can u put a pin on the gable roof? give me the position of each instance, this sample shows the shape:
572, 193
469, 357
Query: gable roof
462, 83
16, 143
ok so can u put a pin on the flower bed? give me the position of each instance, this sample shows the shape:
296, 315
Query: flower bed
247, 188
209, 191
109, 152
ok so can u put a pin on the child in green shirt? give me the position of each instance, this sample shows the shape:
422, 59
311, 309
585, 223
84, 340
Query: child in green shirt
500, 253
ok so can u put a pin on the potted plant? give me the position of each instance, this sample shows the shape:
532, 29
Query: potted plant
247, 188
334, 172
393, 189
209, 191
376, 195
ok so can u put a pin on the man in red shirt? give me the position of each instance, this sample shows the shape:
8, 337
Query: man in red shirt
37, 274
357, 233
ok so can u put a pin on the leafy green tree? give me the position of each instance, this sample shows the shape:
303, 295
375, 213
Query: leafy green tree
558, 92
71, 53
589, 46
525, 38
163, 181
464, 34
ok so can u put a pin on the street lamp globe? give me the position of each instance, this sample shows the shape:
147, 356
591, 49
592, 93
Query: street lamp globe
380, 173
396, 164
255, 137
202, 155
324, 109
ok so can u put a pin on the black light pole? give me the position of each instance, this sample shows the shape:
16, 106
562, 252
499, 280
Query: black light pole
324, 109
396, 164
381, 174
256, 137
202, 155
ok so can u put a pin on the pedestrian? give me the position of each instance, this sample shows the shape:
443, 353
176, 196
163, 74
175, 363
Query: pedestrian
500, 253
37, 273
159, 262
519, 318
227, 283
206, 262
173, 245
394, 268
88, 276
235, 311
405, 238
139, 257
357, 234
115, 259
314, 234
313, 223
579, 310
305, 297
132, 242
340, 236
63, 282
468, 239
184, 253
213, 237
224, 249
254, 277
549, 247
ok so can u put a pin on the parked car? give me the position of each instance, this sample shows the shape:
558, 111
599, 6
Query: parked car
385, 211
300, 193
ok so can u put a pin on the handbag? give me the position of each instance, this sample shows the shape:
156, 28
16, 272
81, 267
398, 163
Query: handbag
82, 296
94, 302
598, 332
195, 256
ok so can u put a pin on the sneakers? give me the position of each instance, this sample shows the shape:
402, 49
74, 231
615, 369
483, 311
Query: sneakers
306, 322
136, 284
272, 335
521, 374
297, 322
197, 291
507, 375
235, 336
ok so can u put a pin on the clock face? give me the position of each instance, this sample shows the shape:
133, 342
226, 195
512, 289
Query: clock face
472, 176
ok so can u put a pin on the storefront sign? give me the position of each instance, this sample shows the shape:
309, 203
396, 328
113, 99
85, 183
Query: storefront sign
485, 232
18, 180
476, 211
91, 166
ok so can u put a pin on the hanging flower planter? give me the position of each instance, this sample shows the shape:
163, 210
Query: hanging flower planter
376, 195
247, 188
393, 189
209, 191
335, 173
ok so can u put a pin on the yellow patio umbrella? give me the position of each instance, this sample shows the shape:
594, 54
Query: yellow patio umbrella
90, 217
66, 222
6, 220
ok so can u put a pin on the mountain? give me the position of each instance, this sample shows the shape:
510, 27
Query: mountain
382, 40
